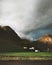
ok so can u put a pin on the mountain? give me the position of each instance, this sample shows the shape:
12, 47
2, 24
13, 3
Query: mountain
10, 41
46, 39
44, 43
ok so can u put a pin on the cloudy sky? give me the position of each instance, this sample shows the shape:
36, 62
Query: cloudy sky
30, 19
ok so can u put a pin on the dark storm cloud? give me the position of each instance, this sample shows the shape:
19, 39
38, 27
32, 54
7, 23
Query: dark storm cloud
27, 16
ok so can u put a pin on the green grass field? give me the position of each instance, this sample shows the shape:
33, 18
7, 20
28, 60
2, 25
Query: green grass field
26, 56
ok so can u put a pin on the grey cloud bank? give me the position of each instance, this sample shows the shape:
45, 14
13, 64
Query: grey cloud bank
28, 18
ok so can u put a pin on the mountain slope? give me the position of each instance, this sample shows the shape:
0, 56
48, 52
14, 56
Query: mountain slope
46, 39
10, 41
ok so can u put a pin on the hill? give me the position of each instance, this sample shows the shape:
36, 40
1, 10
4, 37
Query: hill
46, 39
45, 43
10, 41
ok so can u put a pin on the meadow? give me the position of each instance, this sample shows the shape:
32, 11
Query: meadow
26, 56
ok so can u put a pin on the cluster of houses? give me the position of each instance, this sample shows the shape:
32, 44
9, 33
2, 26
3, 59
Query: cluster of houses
35, 50
31, 49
